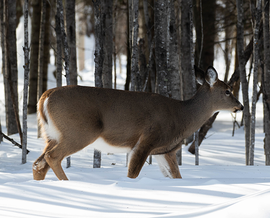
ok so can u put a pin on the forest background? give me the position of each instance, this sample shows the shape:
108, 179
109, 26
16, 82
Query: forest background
161, 41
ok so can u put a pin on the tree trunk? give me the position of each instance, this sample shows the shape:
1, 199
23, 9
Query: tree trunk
134, 53
80, 37
173, 63
150, 42
64, 41
41, 50
186, 54
47, 46
34, 48
161, 46
240, 50
26, 82
11, 95
71, 37
99, 58
66, 50
59, 49
108, 46
3, 33
255, 80
266, 81
41, 55
129, 43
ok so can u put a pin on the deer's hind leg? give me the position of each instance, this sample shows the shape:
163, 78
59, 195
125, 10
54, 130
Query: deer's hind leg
168, 165
63, 149
40, 166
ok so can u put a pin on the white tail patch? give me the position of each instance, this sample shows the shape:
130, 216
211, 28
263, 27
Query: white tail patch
49, 129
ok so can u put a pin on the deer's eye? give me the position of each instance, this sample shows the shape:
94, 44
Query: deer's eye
227, 92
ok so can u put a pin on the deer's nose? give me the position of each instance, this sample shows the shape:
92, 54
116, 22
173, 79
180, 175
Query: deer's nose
242, 107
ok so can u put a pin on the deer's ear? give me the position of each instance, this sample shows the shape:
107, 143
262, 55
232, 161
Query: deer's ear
211, 76
200, 77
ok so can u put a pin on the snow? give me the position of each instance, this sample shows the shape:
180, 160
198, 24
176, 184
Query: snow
221, 186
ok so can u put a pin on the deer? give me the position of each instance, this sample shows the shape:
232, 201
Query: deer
139, 123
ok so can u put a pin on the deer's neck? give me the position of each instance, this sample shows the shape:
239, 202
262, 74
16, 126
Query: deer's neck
196, 111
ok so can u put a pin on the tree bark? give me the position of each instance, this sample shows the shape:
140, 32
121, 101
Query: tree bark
108, 46
134, 54
64, 41
173, 63
3, 47
59, 49
266, 81
161, 46
71, 38
208, 14
12, 71
99, 57
255, 79
240, 50
26, 82
34, 48
41, 49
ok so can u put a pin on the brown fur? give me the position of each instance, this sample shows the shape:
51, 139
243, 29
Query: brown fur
147, 123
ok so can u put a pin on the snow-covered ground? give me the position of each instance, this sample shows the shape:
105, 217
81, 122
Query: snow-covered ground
221, 186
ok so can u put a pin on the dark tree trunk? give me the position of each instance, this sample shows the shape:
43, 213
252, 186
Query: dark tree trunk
173, 63
47, 47
209, 32
41, 50
12, 71
160, 9
129, 43
99, 57
134, 54
266, 81
71, 37
240, 50
26, 82
108, 46
255, 80
59, 49
34, 47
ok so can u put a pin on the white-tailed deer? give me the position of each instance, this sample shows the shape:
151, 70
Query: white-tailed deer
73, 117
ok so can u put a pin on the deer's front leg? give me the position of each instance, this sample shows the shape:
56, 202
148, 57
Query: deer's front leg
137, 158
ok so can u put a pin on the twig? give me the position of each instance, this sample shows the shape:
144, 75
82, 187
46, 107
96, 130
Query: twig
13, 142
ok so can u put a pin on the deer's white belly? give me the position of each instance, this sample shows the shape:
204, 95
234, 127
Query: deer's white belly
103, 146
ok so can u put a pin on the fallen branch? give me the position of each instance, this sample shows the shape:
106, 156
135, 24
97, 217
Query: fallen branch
12, 141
